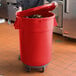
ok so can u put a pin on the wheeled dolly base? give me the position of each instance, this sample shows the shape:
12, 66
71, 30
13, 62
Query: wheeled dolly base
39, 69
29, 68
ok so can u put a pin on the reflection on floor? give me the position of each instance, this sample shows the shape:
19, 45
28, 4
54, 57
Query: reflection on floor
63, 55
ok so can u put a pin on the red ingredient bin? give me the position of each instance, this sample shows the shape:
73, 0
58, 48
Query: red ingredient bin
36, 36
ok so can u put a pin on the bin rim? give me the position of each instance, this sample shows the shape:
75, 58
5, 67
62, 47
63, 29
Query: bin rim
53, 16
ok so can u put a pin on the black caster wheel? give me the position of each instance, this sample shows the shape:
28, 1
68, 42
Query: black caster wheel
28, 69
42, 69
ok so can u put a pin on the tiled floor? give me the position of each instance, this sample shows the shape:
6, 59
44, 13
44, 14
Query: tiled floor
63, 55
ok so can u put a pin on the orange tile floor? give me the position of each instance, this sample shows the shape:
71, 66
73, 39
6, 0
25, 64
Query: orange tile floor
63, 55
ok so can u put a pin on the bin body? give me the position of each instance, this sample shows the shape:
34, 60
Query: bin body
36, 42
36, 39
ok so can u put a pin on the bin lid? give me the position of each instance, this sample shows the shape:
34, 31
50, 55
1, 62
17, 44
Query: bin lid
36, 10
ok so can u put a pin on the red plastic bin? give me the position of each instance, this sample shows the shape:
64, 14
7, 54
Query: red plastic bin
36, 35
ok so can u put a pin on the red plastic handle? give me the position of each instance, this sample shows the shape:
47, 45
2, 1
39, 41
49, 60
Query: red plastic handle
17, 22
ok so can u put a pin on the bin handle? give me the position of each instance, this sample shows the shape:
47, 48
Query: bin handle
17, 22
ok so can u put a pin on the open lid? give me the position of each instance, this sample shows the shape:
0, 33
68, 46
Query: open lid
36, 10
